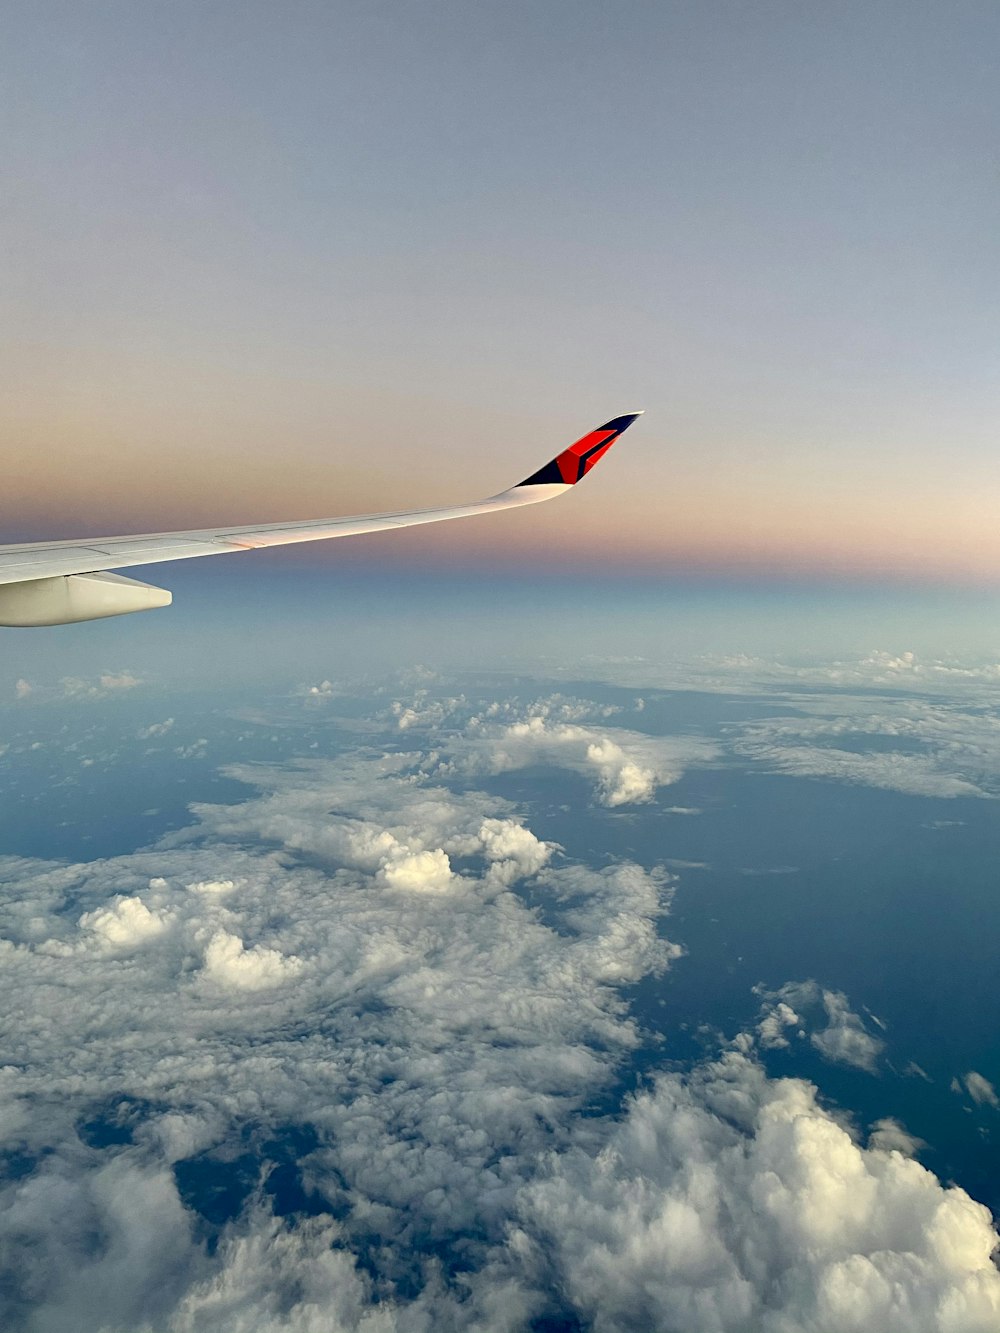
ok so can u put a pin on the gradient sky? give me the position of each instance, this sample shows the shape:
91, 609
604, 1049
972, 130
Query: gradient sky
268, 261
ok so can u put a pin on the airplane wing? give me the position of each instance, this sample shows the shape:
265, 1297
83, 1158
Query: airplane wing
56, 583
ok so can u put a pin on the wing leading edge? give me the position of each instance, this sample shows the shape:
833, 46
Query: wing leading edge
34, 574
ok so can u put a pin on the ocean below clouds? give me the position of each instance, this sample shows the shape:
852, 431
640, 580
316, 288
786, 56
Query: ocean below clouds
498, 1002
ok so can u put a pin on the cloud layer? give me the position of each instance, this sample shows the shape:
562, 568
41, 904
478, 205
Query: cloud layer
627, 767
345, 1055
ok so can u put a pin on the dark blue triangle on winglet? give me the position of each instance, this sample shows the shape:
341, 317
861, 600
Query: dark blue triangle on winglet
621, 423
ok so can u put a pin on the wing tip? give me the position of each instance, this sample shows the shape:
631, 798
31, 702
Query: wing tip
573, 464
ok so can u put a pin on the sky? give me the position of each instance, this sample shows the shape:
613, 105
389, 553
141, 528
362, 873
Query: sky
268, 262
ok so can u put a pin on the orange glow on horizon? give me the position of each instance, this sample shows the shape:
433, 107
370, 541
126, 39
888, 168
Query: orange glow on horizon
167, 450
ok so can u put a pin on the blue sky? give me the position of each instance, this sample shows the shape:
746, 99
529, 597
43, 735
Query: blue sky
269, 263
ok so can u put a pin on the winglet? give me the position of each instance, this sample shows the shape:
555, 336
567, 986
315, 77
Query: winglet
573, 464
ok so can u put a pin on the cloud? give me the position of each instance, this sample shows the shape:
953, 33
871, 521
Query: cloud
425, 712
915, 775
623, 781
772, 1030
324, 690
109, 682
512, 851
301, 967
229, 964
155, 729
271, 1279
980, 1089
126, 923
365, 1033
214, 886
419, 872
838, 1033
196, 750
509, 734
844, 1039
389, 822
946, 745
888, 1135
429, 711
906, 673
894, 721
628, 767
732, 1202
77, 687
109, 1247
122, 680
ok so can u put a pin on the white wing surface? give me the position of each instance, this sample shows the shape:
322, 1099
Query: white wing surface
46, 583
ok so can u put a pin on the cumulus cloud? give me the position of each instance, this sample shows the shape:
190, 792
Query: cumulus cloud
558, 730
733, 1202
125, 923
108, 682
389, 822
271, 1279
844, 1039
906, 673
772, 1030
196, 750
419, 872
423, 711
76, 687
325, 690
628, 767
109, 1247
432, 711
932, 733
623, 781
229, 963
215, 887
837, 1032
512, 851
121, 680
155, 729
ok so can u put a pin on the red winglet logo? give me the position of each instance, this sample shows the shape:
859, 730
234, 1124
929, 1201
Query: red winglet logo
575, 462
